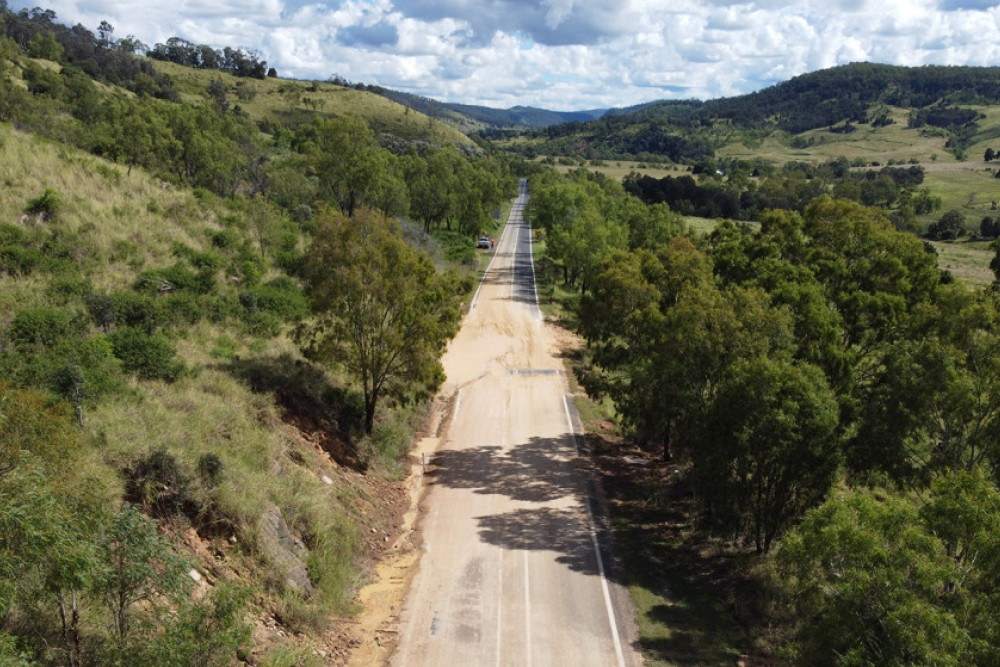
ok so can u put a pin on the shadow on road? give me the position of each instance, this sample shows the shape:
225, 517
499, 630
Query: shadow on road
519, 274
541, 470
562, 531
538, 471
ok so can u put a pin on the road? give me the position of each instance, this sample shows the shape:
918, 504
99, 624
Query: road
515, 568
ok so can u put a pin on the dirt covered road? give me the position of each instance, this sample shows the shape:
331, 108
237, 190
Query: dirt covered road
513, 567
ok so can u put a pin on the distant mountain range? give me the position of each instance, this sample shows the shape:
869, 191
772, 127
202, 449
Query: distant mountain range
817, 99
474, 117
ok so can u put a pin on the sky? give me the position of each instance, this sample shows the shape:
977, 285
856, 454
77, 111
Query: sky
564, 55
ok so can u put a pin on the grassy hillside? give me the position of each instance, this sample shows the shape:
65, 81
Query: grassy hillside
276, 433
291, 103
155, 406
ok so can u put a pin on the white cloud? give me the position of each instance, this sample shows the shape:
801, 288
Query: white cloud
563, 54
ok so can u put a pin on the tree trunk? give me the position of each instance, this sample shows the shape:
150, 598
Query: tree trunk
71, 630
370, 402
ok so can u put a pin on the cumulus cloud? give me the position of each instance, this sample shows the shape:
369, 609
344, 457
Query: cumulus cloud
563, 54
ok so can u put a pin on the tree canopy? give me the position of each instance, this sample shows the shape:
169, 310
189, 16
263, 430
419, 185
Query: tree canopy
382, 310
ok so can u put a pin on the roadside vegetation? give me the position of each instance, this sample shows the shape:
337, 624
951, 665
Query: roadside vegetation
796, 403
788, 310
186, 476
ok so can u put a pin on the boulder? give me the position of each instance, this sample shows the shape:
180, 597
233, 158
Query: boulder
285, 551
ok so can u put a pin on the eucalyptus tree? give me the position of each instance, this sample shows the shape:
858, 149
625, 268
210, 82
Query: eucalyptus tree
382, 311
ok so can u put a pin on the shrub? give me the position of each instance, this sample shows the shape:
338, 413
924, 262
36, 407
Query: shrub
290, 261
18, 261
280, 296
159, 485
42, 326
388, 442
207, 260
225, 348
138, 310
103, 310
950, 226
45, 205
184, 308
176, 277
227, 238
65, 289
261, 323
210, 469
150, 356
83, 369
211, 631
17, 255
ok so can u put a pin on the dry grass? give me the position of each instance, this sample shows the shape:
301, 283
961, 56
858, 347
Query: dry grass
297, 101
126, 222
968, 261
619, 169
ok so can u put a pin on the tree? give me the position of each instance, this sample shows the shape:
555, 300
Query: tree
137, 565
216, 92
767, 450
933, 403
663, 337
868, 585
49, 511
349, 162
433, 184
382, 311
106, 32
950, 226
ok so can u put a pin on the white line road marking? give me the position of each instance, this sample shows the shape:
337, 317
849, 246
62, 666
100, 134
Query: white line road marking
513, 277
527, 612
499, 609
600, 561
475, 299
534, 285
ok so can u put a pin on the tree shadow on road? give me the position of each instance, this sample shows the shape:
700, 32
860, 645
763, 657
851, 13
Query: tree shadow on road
563, 531
523, 289
541, 470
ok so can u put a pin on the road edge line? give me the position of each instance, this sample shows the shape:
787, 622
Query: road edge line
597, 551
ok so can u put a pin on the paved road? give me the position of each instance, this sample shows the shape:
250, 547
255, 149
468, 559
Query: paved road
513, 571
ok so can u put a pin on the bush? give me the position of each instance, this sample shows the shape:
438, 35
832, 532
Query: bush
18, 261
139, 311
261, 323
176, 277
211, 632
42, 327
17, 256
159, 485
103, 310
280, 296
184, 308
388, 442
227, 238
949, 227
45, 205
210, 469
65, 289
150, 356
